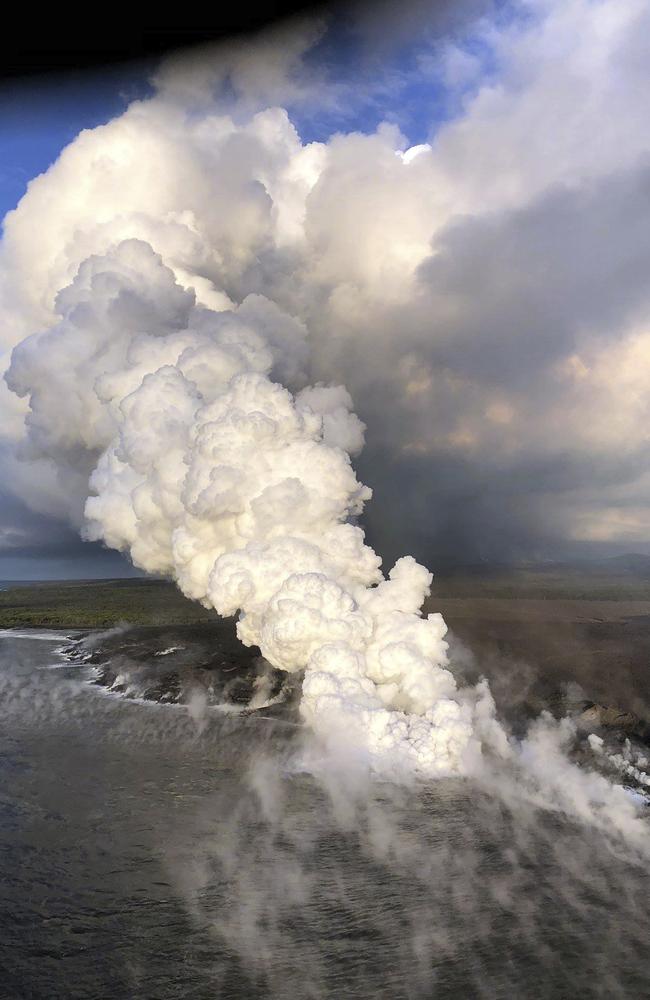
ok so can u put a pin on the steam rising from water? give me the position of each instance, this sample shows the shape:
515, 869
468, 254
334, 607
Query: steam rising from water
295, 886
211, 472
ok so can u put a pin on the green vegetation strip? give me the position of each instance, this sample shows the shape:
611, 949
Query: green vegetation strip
102, 603
98, 604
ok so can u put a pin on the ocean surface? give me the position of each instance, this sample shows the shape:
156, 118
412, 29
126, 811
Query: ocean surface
151, 849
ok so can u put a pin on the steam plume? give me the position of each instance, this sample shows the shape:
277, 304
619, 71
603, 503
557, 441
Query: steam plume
210, 472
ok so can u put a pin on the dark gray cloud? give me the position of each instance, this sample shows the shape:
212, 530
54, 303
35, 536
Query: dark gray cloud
526, 312
33, 546
523, 287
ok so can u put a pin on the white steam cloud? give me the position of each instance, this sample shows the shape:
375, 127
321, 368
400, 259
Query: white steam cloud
210, 472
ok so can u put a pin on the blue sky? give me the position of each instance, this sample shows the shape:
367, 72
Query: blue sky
39, 117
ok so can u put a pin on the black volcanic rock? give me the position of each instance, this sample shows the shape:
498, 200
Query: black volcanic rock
173, 665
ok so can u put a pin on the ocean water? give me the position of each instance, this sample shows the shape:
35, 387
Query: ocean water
157, 850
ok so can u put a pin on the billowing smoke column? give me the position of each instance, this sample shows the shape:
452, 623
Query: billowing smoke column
204, 466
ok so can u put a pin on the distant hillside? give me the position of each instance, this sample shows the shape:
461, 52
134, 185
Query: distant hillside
632, 564
623, 578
